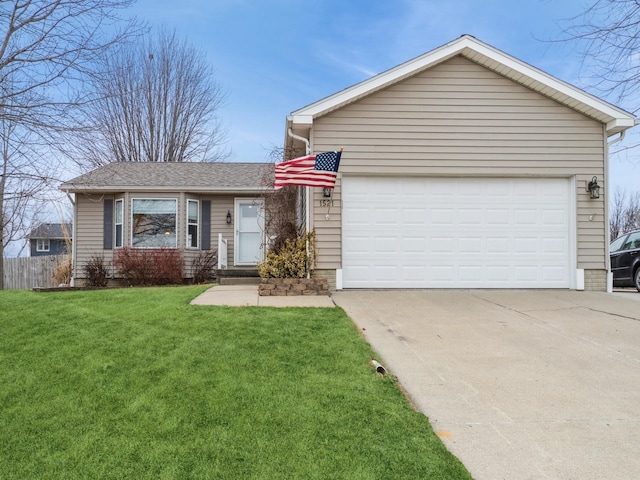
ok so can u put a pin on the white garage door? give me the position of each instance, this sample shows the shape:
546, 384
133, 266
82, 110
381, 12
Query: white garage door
456, 232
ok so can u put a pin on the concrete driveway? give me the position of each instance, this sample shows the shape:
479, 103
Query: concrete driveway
518, 384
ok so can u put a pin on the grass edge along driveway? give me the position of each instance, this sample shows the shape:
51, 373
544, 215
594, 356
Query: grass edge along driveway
137, 383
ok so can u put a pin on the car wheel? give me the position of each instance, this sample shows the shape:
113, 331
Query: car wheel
636, 279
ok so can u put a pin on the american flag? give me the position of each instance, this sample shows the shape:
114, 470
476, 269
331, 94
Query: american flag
311, 171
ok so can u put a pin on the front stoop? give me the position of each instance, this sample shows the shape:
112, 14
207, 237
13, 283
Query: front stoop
238, 276
293, 287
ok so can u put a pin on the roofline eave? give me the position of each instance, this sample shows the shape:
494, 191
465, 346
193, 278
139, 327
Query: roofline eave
471, 48
159, 189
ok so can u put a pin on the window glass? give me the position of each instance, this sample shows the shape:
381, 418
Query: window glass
154, 223
42, 245
192, 224
119, 217
632, 242
616, 244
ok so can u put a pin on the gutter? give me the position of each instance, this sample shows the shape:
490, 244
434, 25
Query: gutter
172, 188
607, 183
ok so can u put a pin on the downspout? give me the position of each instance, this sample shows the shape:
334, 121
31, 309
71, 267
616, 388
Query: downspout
307, 213
609, 286
302, 139
307, 194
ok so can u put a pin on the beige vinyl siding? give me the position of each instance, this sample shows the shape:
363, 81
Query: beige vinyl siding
460, 119
220, 205
89, 231
89, 225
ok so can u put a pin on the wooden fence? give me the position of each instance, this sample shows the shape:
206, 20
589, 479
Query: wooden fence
30, 272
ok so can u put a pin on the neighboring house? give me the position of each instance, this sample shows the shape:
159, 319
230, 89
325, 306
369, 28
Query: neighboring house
462, 168
186, 206
50, 239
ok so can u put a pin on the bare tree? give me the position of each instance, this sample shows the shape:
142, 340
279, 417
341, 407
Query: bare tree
283, 207
625, 213
46, 48
23, 175
158, 102
608, 36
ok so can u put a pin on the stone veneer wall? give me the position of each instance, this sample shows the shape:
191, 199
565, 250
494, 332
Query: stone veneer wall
595, 280
328, 275
293, 286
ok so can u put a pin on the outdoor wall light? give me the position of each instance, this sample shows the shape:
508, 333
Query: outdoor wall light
326, 192
593, 188
228, 217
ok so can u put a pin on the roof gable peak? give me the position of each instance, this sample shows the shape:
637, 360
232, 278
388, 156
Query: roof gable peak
615, 119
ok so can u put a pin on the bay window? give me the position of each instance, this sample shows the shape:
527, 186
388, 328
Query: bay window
154, 223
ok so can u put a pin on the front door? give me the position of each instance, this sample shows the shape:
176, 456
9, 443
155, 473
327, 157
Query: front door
249, 231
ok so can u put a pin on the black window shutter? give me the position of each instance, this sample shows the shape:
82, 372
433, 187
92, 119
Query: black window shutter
205, 235
108, 225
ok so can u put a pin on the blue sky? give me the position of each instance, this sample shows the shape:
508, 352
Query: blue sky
275, 56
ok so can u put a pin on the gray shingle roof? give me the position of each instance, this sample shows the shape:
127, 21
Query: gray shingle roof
192, 176
50, 230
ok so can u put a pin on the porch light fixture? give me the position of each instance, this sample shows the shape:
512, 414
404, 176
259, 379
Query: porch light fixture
326, 192
593, 188
228, 217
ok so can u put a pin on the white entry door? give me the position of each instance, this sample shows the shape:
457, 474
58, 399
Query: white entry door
249, 226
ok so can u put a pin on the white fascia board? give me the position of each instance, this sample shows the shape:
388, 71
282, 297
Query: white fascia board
300, 120
469, 47
379, 81
620, 116
621, 124
154, 189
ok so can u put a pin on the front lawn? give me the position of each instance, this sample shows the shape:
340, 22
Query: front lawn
138, 384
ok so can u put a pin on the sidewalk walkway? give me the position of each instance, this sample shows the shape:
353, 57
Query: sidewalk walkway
247, 295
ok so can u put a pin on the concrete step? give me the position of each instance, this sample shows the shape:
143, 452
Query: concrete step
237, 273
239, 280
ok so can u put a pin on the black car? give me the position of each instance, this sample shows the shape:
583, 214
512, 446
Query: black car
625, 260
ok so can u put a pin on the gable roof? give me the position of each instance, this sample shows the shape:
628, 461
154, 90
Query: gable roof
615, 119
184, 176
52, 231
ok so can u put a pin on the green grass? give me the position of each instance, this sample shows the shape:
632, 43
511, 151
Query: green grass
137, 384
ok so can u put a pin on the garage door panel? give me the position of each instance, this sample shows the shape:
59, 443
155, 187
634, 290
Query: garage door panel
498, 217
455, 233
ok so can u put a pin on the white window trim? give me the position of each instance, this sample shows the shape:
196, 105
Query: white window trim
188, 224
175, 200
43, 245
115, 223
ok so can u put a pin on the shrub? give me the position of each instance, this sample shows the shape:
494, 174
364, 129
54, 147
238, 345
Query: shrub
62, 272
295, 259
203, 265
157, 266
96, 272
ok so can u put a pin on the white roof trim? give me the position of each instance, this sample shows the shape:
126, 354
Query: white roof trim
615, 118
80, 188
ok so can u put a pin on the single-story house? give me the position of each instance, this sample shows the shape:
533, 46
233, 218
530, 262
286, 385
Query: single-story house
192, 207
462, 168
50, 239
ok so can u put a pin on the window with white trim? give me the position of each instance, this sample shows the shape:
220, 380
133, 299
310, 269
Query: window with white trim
43, 245
153, 222
193, 220
119, 225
